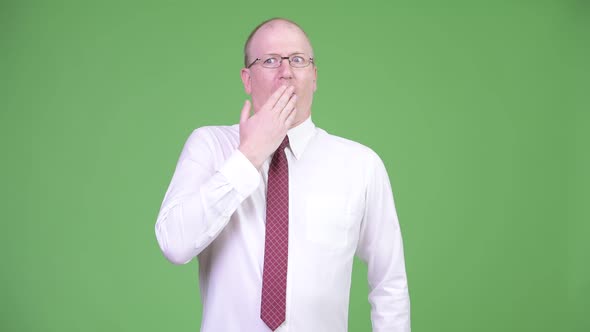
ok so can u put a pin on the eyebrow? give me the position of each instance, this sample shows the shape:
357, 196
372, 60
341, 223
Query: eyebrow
281, 55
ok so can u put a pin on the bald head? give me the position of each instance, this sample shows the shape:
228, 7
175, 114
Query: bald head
270, 25
283, 38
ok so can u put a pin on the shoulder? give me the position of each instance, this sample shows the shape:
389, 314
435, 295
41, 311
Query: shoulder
338, 145
212, 135
215, 131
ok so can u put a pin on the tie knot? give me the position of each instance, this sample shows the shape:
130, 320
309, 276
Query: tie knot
284, 143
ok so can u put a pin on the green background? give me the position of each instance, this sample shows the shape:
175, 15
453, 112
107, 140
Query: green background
478, 109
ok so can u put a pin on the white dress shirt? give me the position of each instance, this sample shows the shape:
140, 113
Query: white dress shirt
340, 205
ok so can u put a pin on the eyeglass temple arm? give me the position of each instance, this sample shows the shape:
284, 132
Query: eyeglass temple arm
253, 62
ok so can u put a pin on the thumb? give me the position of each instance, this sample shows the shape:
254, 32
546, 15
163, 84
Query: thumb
245, 111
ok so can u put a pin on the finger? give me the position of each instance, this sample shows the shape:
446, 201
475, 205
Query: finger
284, 113
245, 111
283, 100
291, 118
272, 100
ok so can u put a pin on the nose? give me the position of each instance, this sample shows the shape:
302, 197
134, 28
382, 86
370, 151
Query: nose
285, 69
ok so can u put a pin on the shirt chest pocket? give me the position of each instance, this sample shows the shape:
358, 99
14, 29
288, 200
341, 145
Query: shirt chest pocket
330, 220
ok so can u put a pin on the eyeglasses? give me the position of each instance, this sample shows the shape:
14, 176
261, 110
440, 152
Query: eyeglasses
274, 61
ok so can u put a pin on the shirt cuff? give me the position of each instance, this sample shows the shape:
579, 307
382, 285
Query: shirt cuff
241, 174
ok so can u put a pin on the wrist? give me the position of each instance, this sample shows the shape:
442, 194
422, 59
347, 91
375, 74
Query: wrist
251, 156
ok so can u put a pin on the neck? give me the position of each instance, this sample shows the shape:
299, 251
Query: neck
299, 119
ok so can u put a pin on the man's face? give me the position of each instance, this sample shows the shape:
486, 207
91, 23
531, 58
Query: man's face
284, 39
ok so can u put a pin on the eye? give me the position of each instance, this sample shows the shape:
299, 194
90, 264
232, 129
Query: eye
298, 59
270, 61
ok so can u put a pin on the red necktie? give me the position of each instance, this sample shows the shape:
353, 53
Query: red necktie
276, 245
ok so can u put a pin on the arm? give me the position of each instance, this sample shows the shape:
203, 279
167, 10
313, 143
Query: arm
200, 200
381, 247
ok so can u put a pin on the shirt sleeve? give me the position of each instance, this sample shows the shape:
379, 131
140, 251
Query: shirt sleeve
381, 247
201, 199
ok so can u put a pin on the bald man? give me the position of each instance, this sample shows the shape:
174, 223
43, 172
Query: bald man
275, 208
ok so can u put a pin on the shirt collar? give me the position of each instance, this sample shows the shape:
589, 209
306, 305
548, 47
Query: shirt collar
301, 135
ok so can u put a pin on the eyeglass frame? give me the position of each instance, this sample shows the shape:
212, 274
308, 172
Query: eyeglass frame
280, 62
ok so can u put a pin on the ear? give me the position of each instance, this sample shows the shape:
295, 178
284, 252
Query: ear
315, 78
245, 74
